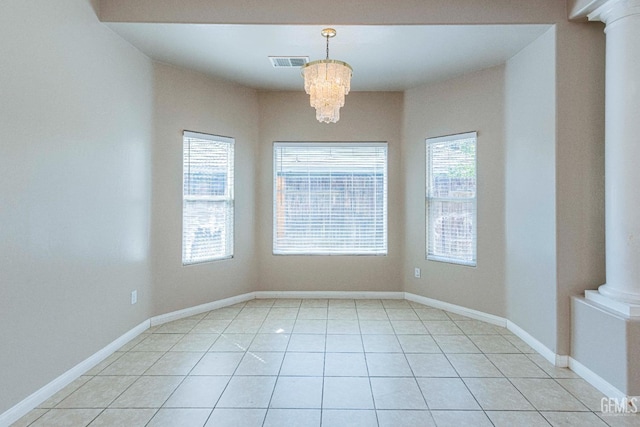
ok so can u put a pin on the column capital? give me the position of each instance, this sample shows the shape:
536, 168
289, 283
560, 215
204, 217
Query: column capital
610, 11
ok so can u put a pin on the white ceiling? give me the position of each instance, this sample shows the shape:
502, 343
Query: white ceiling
384, 58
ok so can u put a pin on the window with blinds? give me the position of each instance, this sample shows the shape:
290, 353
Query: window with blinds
207, 198
451, 198
330, 199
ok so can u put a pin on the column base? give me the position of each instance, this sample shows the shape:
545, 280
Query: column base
606, 344
624, 308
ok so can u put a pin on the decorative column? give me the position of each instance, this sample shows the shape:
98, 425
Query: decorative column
622, 156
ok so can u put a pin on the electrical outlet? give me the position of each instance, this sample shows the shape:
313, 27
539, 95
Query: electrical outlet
134, 297
416, 273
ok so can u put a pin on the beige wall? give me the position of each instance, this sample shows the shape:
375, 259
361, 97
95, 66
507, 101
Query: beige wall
469, 103
555, 171
186, 100
580, 51
75, 183
87, 189
577, 9
530, 132
335, 13
579, 60
287, 116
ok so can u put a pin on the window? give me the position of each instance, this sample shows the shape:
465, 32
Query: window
207, 198
330, 199
451, 199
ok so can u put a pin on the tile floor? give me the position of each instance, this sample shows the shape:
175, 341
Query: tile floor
318, 362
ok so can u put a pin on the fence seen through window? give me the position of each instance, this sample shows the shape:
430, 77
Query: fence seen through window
330, 198
451, 198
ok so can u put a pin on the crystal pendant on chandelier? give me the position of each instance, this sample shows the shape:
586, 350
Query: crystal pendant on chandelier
327, 81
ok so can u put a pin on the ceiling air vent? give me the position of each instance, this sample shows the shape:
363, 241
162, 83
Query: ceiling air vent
288, 61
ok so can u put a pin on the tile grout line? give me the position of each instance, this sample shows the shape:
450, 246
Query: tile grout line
266, 413
366, 364
518, 351
324, 367
196, 364
415, 379
184, 377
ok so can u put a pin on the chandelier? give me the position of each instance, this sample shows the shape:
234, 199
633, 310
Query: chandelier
327, 81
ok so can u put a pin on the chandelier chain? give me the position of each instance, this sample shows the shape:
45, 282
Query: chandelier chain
327, 46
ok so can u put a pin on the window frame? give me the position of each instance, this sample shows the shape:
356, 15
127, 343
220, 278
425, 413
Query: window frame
228, 198
384, 248
429, 199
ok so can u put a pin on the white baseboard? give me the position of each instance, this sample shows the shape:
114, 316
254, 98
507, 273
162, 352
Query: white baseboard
595, 380
202, 308
463, 311
21, 409
330, 294
26, 405
560, 361
556, 359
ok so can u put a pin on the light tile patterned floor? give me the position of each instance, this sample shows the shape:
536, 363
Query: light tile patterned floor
318, 362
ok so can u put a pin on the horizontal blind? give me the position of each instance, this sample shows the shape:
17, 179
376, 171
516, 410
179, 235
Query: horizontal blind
208, 205
451, 198
330, 198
